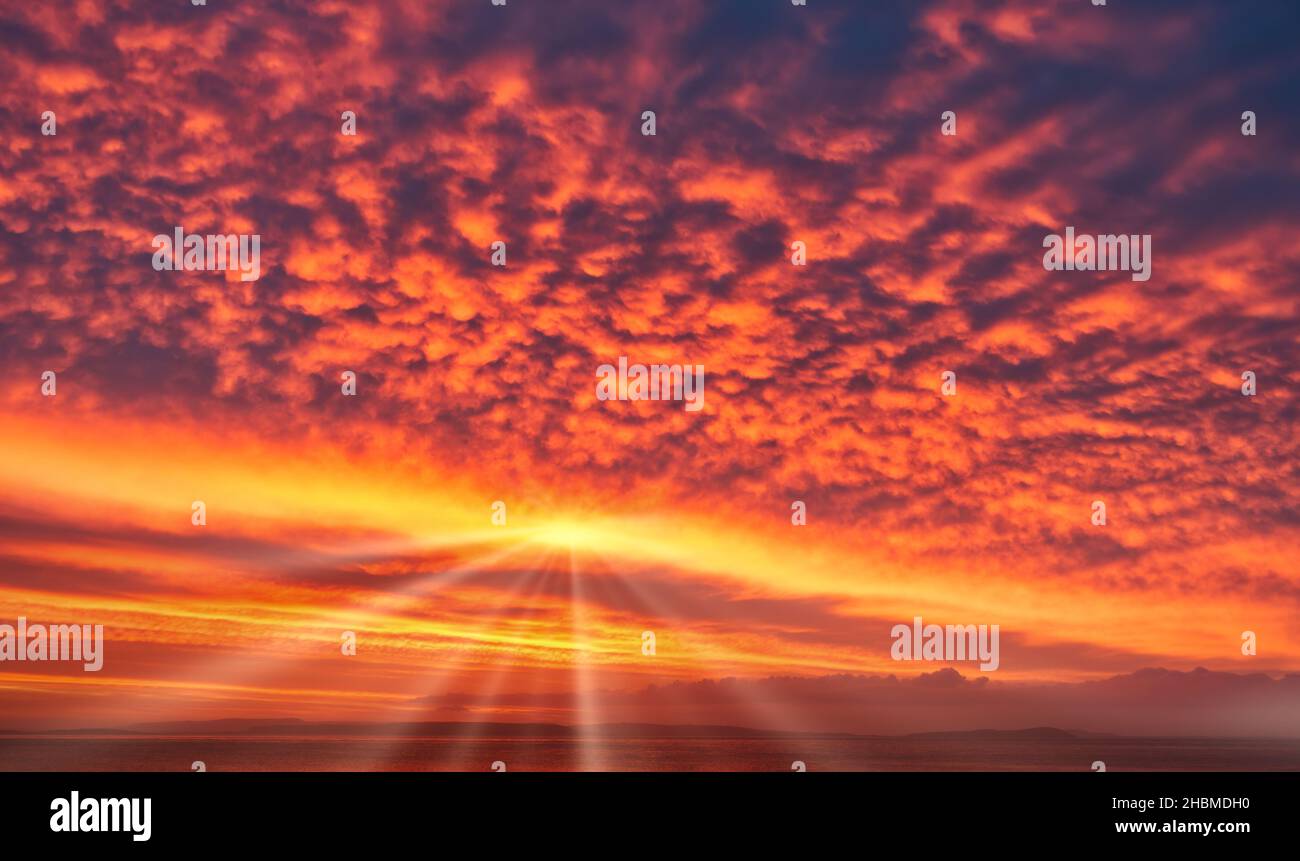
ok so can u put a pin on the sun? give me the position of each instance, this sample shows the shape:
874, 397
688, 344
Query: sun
573, 534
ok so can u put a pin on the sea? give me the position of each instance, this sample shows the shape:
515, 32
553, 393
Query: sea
388, 753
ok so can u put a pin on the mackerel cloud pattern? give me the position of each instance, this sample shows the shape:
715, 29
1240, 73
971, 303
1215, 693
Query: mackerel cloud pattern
838, 234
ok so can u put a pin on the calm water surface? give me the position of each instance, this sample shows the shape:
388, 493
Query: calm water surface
260, 753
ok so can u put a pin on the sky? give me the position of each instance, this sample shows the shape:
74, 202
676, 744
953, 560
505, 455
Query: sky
476, 383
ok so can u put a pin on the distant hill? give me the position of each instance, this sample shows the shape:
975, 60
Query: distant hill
1043, 733
457, 729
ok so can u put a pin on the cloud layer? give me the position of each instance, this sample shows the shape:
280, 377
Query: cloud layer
776, 124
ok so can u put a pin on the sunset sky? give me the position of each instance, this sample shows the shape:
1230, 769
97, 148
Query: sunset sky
476, 383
